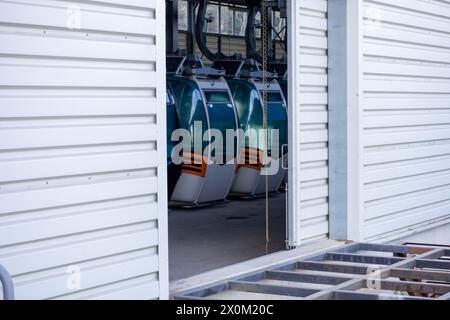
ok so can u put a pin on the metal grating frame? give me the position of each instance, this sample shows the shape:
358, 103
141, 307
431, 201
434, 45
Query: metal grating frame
356, 271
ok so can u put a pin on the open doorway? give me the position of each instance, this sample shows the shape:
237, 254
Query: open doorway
227, 70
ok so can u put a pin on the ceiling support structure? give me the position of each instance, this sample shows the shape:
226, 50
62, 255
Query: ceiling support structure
172, 26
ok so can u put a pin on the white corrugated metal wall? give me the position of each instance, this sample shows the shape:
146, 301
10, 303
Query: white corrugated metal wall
82, 148
405, 117
309, 114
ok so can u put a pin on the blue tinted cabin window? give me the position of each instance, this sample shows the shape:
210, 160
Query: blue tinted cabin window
277, 120
190, 109
217, 97
222, 118
250, 112
274, 97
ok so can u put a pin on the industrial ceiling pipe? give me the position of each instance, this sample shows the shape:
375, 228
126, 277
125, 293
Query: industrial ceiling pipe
200, 35
250, 31
7, 284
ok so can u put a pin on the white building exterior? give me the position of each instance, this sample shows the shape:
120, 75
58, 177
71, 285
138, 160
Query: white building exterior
309, 118
82, 136
390, 85
82, 148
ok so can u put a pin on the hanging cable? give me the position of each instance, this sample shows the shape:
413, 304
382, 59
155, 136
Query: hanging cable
200, 35
265, 62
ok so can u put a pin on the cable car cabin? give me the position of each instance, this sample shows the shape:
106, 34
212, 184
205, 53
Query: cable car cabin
248, 99
277, 119
284, 88
283, 82
204, 106
173, 170
280, 69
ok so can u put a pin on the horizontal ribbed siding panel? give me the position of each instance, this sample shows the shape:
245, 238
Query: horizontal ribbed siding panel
79, 163
406, 119
313, 88
124, 267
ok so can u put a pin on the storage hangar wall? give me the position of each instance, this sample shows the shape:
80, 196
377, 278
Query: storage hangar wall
390, 120
308, 111
82, 148
405, 117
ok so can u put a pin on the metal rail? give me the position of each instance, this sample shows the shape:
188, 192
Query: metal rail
7, 284
357, 271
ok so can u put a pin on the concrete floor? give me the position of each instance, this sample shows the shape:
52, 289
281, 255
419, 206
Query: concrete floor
206, 239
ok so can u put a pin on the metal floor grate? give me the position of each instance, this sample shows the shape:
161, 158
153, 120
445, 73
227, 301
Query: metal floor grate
357, 271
